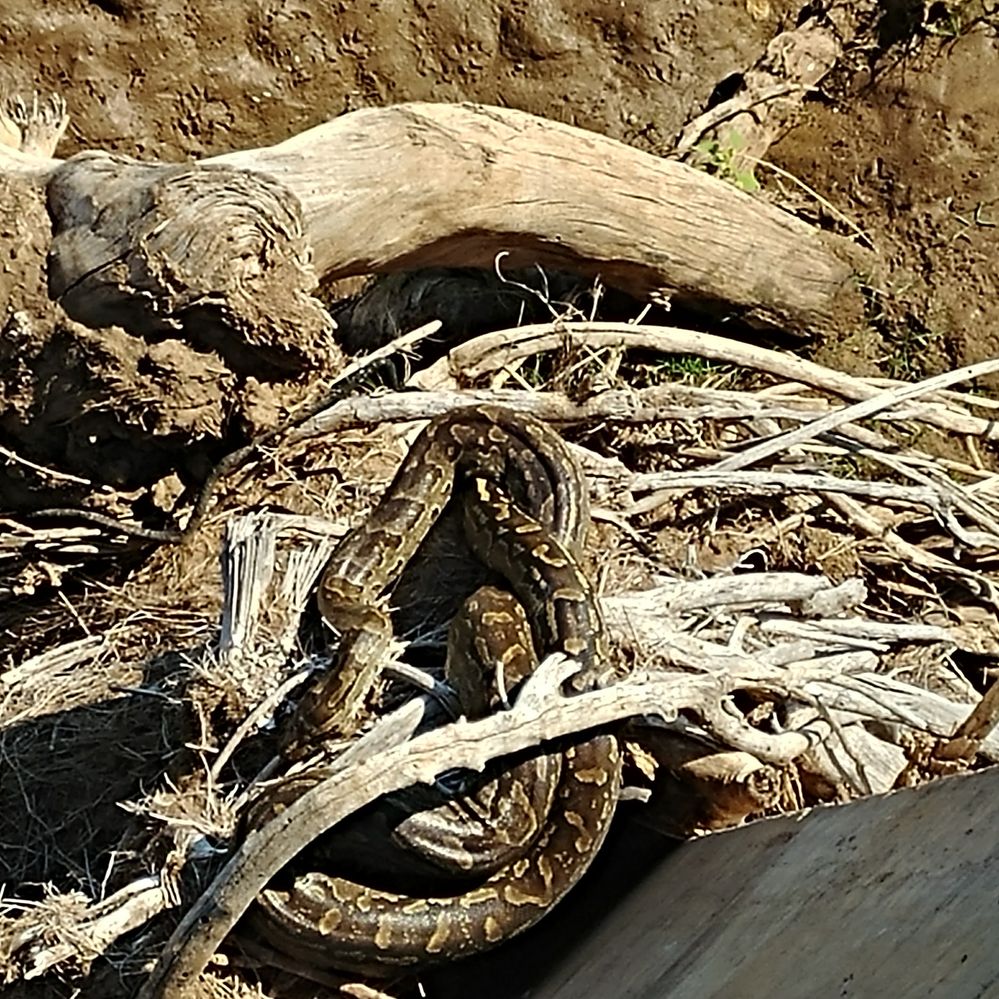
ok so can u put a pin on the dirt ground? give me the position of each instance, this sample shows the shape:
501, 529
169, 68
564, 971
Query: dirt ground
902, 142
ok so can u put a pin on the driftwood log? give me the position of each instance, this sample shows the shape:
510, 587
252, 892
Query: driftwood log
192, 250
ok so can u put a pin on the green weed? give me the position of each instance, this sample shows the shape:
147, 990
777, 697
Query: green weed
724, 160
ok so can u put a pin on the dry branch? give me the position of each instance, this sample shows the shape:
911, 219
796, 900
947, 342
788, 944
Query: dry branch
495, 351
873, 696
92, 933
858, 411
540, 714
656, 404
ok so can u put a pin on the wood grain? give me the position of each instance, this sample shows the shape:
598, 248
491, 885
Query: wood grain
890, 895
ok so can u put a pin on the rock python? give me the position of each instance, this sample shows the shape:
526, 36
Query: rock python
525, 513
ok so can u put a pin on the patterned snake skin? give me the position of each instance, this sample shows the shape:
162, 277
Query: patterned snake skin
525, 513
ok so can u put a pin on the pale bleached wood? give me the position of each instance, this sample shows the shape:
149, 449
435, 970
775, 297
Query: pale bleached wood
851, 756
444, 184
873, 696
858, 411
88, 937
655, 404
495, 351
662, 486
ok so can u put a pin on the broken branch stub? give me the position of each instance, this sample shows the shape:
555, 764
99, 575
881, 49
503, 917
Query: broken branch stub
209, 254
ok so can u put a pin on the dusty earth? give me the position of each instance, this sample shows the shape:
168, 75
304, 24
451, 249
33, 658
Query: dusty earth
899, 145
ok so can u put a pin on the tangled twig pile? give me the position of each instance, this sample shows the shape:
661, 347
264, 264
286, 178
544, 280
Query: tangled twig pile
812, 640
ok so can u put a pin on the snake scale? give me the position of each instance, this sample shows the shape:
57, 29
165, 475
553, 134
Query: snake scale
524, 506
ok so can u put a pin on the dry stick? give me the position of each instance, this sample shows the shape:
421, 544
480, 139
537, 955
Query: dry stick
851, 629
875, 696
963, 398
906, 552
493, 351
852, 414
857, 779
967, 740
856, 438
693, 131
260, 712
128, 909
972, 506
663, 485
540, 714
52, 473
630, 406
939, 493
750, 590
779, 750
649, 405
824, 202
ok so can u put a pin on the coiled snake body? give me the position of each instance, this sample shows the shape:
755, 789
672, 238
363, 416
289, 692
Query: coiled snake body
525, 513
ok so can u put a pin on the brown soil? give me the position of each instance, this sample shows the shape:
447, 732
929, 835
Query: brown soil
908, 151
903, 142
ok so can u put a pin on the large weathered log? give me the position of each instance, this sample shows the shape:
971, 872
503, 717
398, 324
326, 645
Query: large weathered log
420, 185
155, 246
883, 896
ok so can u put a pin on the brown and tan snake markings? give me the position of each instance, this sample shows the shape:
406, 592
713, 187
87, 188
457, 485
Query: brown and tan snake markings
536, 827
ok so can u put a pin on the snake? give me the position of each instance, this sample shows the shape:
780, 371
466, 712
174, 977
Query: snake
524, 506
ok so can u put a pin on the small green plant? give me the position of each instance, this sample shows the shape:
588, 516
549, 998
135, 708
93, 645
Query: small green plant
911, 351
689, 367
685, 369
724, 160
